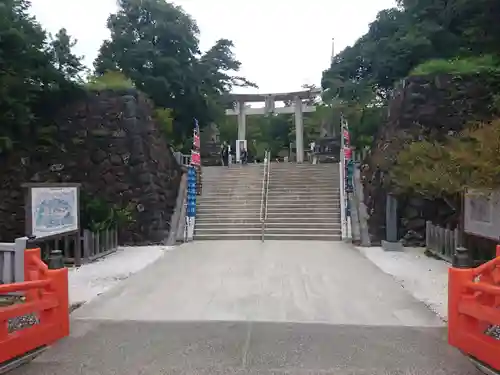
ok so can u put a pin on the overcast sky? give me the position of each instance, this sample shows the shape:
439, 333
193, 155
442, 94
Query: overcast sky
282, 44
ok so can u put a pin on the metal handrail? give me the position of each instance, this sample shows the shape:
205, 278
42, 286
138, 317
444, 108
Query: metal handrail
267, 185
263, 212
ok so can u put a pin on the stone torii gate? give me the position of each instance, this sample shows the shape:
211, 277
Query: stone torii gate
298, 108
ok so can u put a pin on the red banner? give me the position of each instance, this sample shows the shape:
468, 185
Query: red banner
347, 153
195, 158
347, 138
196, 141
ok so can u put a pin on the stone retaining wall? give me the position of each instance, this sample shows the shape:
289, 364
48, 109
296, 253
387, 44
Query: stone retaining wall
109, 143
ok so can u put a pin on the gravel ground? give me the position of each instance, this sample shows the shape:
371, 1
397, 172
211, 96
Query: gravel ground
423, 277
93, 279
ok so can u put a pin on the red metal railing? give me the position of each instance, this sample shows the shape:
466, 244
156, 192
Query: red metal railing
43, 317
474, 311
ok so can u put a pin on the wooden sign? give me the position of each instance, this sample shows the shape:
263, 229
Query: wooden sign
482, 214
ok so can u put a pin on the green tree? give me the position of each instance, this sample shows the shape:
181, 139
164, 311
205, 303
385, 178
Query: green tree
361, 77
27, 73
155, 44
66, 63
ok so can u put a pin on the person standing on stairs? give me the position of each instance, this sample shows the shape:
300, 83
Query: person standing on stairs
224, 153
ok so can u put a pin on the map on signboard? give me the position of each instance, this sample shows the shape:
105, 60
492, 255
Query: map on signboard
54, 210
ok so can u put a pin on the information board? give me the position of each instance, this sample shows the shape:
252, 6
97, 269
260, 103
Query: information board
482, 214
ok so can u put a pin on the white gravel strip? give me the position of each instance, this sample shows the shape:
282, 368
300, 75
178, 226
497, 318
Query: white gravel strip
93, 279
423, 277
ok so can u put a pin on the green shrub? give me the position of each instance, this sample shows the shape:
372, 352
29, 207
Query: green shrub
470, 65
164, 118
468, 160
109, 81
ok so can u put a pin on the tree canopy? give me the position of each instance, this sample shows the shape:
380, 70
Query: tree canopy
156, 45
33, 68
400, 39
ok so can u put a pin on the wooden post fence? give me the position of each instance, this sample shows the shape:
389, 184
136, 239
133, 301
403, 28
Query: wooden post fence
441, 242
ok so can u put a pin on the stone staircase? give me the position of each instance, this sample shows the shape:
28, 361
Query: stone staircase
304, 202
229, 207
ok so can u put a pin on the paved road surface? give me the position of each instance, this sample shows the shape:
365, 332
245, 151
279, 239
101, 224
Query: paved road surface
291, 308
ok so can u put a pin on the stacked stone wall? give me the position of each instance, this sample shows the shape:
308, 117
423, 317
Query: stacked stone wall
426, 107
109, 143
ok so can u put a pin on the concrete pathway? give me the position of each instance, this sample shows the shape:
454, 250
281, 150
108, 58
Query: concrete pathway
249, 308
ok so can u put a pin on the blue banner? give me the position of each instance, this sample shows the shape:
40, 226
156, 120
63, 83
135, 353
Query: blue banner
191, 192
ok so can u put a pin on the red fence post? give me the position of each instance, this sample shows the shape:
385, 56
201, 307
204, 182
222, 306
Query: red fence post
457, 278
60, 284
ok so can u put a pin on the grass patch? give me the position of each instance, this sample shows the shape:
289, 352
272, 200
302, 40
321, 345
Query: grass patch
468, 65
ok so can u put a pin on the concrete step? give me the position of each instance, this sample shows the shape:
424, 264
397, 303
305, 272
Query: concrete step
230, 205
302, 193
301, 176
298, 226
231, 202
211, 197
223, 187
303, 189
324, 201
227, 220
228, 196
221, 237
231, 170
304, 182
231, 191
234, 179
228, 230
305, 170
234, 203
228, 212
309, 168
242, 226
306, 216
303, 237
329, 200
302, 173
306, 203
284, 211
303, 217
302, 208
304, 185
239, 221
227, 200
236, 215
306, 230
